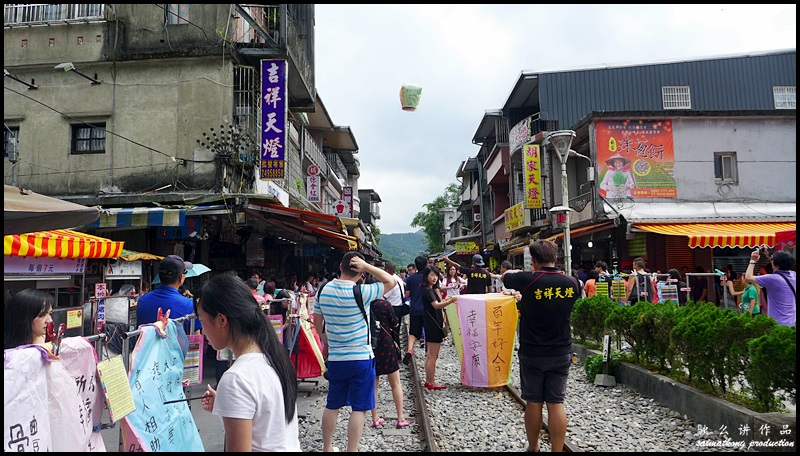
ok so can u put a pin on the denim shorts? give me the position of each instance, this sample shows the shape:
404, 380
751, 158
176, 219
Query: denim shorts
351, 383
544, 379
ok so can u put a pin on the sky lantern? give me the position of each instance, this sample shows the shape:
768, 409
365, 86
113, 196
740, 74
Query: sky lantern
409, 96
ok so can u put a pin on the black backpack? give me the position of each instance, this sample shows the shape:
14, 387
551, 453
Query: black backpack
373, 335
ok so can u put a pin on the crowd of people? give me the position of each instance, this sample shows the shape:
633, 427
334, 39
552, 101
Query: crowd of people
256, 393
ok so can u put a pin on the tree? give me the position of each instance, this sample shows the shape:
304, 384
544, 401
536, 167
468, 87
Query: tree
432, 222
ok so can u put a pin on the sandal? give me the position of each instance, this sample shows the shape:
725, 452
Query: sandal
378, 423
404, 423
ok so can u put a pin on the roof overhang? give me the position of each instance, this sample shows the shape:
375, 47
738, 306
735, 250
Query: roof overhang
324, 227
677, 212
525, 89
486, 126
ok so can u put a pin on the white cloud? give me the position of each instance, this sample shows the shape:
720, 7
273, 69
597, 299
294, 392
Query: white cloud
467, 59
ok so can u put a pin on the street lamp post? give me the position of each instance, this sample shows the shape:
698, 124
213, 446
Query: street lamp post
561, 141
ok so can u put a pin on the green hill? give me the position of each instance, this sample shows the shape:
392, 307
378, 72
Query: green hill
402, 248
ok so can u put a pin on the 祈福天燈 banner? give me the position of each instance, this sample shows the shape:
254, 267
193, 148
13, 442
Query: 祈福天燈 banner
635, 158
484, 327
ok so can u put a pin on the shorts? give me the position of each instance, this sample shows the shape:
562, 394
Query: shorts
544, 379
415, 326
351, 383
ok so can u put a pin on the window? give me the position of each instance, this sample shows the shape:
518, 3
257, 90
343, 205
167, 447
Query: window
10, 142
89, 138
676, 97
177, 13
725, 168
785, 97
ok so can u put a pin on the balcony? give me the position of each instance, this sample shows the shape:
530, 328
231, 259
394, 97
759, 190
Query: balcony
313, 153
15, 15
280, 31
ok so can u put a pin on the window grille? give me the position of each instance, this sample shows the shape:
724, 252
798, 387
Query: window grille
89, 138
676, 97
725, 168
785, 97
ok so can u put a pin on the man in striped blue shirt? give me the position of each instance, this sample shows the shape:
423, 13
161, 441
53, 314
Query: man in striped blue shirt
346, 345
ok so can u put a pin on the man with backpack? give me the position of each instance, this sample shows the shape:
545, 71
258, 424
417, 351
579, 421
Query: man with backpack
347, 345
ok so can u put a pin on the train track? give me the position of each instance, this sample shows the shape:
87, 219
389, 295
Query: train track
426, 424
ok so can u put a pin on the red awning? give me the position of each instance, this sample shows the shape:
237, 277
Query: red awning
327, 228
733, 234
61, 244
787, 238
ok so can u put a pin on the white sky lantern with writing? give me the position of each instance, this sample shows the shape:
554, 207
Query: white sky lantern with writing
409, 96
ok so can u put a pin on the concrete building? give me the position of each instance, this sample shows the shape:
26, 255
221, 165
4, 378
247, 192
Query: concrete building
731, 120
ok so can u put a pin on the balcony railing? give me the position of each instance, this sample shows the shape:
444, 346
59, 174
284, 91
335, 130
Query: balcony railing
501, 130
579, 202
313, 152
29, 14
266, 16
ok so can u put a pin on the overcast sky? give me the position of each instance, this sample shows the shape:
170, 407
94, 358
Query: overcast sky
467, 59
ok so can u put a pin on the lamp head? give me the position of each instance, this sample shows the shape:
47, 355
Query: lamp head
65, 66
561, 141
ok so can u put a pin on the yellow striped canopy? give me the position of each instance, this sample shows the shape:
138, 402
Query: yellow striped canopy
60, 244
732, 234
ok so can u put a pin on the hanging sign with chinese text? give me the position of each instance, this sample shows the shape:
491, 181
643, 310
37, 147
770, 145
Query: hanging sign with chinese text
533, 177
519, 135
43, 265
467, 247
273, 119
347, 195
515, 217
313, 188
484, 327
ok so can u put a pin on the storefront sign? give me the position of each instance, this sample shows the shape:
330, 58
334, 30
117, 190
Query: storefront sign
191, 228
533, 177
467, 247
519, 135
313, 188
515, 217
74, 318
43, 265
340, 208
347, 195
635, 158
124, 268
274, 99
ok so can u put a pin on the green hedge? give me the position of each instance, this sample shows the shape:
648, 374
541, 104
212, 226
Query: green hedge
716, 346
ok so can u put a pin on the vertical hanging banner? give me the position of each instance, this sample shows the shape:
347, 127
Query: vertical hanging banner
313, 184
484, 327
274, 103
533, 177
347, 196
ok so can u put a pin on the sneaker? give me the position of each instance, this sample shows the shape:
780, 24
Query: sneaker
407, 358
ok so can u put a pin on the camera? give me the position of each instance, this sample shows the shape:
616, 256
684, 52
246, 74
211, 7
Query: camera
763, 250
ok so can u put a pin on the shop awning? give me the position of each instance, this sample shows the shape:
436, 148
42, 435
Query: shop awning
732, 234
325, 227
139, 216
786, 238
25, 211
582, 231
61, 244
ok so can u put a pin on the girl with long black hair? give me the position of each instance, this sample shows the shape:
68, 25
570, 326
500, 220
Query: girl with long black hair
257, 395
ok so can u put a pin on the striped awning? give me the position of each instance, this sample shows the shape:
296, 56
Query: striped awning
139, 217
61, 244
733, 234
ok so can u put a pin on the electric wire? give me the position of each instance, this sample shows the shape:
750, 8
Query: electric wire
106, 130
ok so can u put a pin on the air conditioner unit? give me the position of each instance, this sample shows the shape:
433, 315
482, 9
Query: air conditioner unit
476, 217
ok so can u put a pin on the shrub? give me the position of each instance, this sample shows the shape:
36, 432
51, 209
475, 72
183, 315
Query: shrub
593, 365
589, 317
773, 365
652, 330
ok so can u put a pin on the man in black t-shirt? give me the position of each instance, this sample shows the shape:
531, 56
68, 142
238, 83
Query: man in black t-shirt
545, 341
478, 278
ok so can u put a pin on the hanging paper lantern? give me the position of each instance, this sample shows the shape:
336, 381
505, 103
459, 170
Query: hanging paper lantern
409, 96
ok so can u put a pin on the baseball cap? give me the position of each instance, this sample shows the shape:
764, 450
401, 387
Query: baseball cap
478, 260
173, 266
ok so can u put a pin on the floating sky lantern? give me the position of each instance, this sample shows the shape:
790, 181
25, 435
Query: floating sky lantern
409, 96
